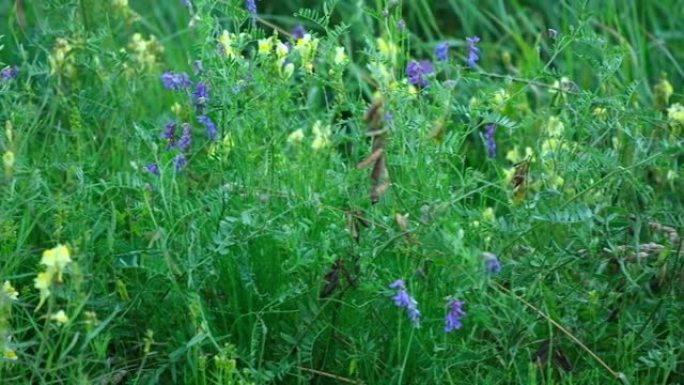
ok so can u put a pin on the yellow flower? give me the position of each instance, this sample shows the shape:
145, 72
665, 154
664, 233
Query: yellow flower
10, 355
500, 98
488, 214
281, 50
10, 291
296, 136
600, 112
509, 174
676, 113
556, 181
60, 317
321, 136
8, 161
56, 259
265, 46
550, 145
226, 43
555, 127
663, 90
388, 50
513, 155
176, 108
340, 56
43, 282
287, 70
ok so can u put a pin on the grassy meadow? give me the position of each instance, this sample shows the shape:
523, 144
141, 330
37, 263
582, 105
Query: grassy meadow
228, 192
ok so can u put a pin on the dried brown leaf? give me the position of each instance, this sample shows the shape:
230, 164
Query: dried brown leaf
372, 158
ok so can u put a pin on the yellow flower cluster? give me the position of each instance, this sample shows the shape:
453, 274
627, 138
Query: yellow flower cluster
306, 47
56, 260
144, 52
61, 62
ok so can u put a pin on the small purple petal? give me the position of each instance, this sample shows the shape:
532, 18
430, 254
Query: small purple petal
212, 131
176, 81
473, 51
490, 130
180, 161
9, 73
152, 168
452, 321
442, 51
186, 139
298, 32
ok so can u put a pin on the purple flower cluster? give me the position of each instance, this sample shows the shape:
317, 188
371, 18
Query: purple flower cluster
492, 264
403, 300
176, 81
251, 7
298, 32
212, 131
9, 73
186, 139
490, 130
473, 51
201, 96
452, 321
417, 72
442, 51
179, 162
152, 168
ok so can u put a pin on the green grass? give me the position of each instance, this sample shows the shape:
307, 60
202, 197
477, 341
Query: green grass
214, 274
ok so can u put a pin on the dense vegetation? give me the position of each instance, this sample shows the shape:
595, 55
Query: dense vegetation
362, 192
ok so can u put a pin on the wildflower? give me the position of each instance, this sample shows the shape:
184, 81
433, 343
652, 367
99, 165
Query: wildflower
169, 132
403, 300
401, 24
555, 127
442, 51
251, 7
226, 44
676, 113
176, 108
60, 61
295, 136
42, 282
307, 46
488, 214
9, 73
282, 50
56, 259
176, 81
553, 34
662, 92
152, 168
201, 95
298, 32
452, 321
186, 3
286, 70
600, 112
473, 51
10, 291
416, 72
145, 52
388, 50
180, 161
388, 117
10, 355
60, 317
492, 264
8, 162
321, 136
490, 130
340, 56
210, 125
186, 139
265, 46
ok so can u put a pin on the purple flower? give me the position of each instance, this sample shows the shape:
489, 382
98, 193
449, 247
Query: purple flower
389, 117
186, 3
403, 300
201, 95
251, 7
401, 24
442, 51
9, 73
180, 161
152, 168
473, 51
176, 81
490, 130
169, 131
452, 321
298, 32
416, 72
492, 264
186, 139
210, 125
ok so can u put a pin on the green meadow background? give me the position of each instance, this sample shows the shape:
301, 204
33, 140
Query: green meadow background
266, 261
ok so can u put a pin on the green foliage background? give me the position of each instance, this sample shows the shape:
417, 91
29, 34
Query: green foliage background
213, 275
